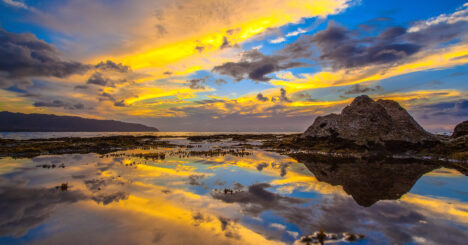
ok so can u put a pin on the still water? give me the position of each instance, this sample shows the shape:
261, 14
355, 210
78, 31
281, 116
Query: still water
223, 193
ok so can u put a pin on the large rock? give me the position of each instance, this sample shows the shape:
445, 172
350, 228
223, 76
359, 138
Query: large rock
460, 130
366, 120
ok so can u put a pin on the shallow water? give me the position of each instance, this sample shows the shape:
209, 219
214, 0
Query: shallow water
122, 198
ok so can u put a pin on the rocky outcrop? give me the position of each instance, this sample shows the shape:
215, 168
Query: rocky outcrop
460, 130
366, 120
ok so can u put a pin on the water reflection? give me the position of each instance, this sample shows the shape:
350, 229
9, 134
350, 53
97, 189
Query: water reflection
371, 181
256, 198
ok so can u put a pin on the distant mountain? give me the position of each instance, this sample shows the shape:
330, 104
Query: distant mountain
19, 122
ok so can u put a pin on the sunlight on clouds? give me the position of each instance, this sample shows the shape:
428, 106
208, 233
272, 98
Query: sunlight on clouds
439, 59
172, 209
446, 208
255, 18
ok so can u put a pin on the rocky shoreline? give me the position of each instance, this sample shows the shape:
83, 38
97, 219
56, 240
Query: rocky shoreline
365, 129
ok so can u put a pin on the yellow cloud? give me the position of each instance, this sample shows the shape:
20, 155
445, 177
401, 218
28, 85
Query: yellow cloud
450, 209
200, 28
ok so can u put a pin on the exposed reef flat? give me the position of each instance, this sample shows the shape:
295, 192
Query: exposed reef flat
288, 144
102, 145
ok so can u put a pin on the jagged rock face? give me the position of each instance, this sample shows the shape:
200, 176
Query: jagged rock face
367, 120
460, 130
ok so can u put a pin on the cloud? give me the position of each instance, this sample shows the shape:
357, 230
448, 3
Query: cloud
98, 79
341, 49
262, 165
360, 89
262, 98
197, 83
278, 40
255, 65
112, 66
19, 83
283, 96
304, 96
60, 103
460, 15
220, 81
25, 208
151, 25
454, 109
256, 199
196, 179
23, 55
296, 33
16, 4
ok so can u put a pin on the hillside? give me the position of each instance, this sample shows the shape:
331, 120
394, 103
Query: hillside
19, 122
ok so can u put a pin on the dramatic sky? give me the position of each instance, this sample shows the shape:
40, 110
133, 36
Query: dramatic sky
226, 65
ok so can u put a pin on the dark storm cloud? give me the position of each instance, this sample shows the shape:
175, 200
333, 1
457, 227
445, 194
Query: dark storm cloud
341, 49
262, 98
359, 89
109, 65
283, 96
98, 79
197, 83
255, 66
60, 103
299, 49
23, 55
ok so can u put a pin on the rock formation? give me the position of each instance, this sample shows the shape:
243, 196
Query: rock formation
366, 120
460, 130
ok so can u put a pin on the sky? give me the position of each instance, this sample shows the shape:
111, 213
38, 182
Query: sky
225, 65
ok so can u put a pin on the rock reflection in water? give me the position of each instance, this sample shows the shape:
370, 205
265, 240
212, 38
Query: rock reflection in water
139, 197
369, 181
